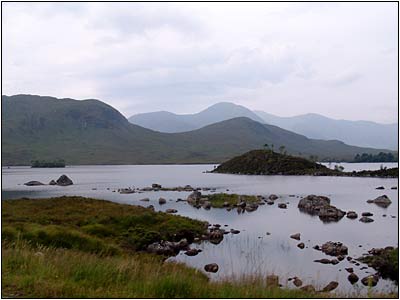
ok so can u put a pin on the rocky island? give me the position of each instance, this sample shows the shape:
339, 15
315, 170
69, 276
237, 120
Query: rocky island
268, 162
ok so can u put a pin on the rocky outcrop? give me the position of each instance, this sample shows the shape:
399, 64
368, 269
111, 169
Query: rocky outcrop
33, 183
168, 248
301, 245
162, 201
320, 206
334, 249
313, 203
282, 205
194, 197
382, 201
216, 236
64, 181
171, 211
53, 182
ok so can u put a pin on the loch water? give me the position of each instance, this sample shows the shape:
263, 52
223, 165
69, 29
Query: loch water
251, 251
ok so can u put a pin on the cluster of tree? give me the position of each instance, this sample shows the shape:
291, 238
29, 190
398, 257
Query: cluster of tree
381, 157
282, 149
60, 163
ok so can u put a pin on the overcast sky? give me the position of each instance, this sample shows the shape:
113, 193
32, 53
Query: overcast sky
336, 59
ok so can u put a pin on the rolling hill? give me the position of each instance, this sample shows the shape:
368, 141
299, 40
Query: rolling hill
92, 132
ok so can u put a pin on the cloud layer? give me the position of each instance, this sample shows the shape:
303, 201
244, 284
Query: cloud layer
337, 59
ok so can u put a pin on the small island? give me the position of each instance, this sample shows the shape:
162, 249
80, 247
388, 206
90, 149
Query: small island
59, 163
268, 162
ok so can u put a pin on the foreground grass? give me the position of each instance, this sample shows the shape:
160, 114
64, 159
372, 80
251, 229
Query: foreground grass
218, 200
60, 273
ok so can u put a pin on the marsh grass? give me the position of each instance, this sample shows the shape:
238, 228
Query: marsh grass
218, 200
90, 225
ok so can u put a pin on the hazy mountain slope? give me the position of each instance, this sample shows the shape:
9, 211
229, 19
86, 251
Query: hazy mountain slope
92, 132
360, 133
162, 121
169, 122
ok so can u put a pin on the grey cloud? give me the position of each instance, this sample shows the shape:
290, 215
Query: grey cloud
152, 56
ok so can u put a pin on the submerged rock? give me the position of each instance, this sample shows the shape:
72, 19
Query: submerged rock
162, 201
327, 261
367, 214
308, 288
380, 188
171, 211
331, 286
366, 220
282, 205
33, 183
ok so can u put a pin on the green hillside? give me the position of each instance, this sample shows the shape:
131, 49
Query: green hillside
92, 132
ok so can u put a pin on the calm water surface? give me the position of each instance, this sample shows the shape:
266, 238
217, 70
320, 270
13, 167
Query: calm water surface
251, 251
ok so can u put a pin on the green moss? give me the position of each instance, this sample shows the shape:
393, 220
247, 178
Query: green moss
218, 200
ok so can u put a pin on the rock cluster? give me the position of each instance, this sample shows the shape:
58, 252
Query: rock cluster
320, 206
168, 248
63, 180
334, 249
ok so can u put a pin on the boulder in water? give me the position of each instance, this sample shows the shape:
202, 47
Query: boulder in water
64, 180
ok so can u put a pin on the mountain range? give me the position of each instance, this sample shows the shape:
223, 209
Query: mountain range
92, 132
358, 133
